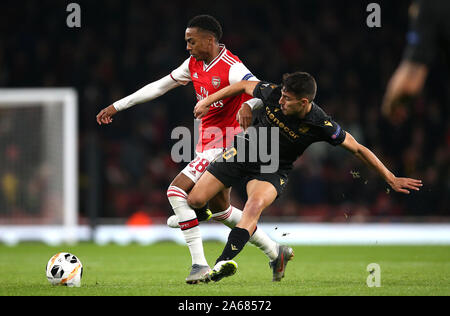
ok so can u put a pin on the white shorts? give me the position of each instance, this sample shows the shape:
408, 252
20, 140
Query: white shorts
198, 166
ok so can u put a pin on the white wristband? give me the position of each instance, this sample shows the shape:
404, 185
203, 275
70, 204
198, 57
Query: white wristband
254, 103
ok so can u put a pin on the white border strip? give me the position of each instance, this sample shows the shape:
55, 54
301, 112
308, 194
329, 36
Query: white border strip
290, 234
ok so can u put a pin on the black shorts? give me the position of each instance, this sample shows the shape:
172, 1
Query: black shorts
231, 173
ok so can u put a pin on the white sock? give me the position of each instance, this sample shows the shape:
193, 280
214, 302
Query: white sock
260, 239
188, 224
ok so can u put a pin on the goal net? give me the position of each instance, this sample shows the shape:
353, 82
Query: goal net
38, 165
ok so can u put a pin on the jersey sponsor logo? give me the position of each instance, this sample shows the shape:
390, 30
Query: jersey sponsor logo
328, 123
276, 121
215, 82
218, 104
195, 75
204, 94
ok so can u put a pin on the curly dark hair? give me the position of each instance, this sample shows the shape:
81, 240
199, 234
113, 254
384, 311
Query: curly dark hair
207, 23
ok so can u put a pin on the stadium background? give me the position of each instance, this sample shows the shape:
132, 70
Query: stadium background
126, 168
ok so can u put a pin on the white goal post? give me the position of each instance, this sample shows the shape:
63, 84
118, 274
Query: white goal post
39, 165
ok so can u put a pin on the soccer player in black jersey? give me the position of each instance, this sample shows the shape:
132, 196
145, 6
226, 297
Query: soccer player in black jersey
429, 36
300, 122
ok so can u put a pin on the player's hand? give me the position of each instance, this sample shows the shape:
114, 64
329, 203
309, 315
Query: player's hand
403, 185
105, 115
201, 109
244, 116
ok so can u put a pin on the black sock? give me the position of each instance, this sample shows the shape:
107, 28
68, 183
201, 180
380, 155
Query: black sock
236, 241
202, 213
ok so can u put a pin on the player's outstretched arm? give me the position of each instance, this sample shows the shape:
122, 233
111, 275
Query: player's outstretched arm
202, 107
407, 81
402, 185
147, 93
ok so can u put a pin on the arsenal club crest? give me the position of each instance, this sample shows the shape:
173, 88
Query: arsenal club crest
216, 82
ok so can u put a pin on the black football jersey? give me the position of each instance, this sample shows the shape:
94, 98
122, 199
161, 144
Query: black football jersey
295, 134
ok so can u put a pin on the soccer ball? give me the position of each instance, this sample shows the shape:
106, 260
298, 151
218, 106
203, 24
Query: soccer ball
64, 269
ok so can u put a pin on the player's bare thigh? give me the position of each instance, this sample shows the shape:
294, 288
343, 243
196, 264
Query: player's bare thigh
205, 190
183, 182
220, 202
260, 195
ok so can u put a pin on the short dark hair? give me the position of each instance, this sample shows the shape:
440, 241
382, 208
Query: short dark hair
207, 23
302, 84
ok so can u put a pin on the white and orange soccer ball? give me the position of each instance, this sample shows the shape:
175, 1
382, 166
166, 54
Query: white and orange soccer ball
64, 269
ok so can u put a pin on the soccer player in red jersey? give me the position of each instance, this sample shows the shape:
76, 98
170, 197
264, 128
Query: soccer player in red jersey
210, 68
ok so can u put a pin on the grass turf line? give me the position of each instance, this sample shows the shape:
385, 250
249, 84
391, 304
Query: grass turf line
161, 269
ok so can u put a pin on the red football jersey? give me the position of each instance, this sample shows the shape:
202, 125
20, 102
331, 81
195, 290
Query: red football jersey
219, 126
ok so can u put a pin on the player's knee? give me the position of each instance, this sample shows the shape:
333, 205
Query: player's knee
254, 206
196, 200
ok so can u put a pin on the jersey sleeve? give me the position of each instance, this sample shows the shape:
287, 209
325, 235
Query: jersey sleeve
267, 92
254, 103
239, 72
422, 38
182, 74
332, 132
147, 93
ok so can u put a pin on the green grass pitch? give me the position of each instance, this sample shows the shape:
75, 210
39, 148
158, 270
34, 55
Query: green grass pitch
160, 270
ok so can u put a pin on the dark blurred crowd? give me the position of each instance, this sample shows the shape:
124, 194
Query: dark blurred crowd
124, 45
